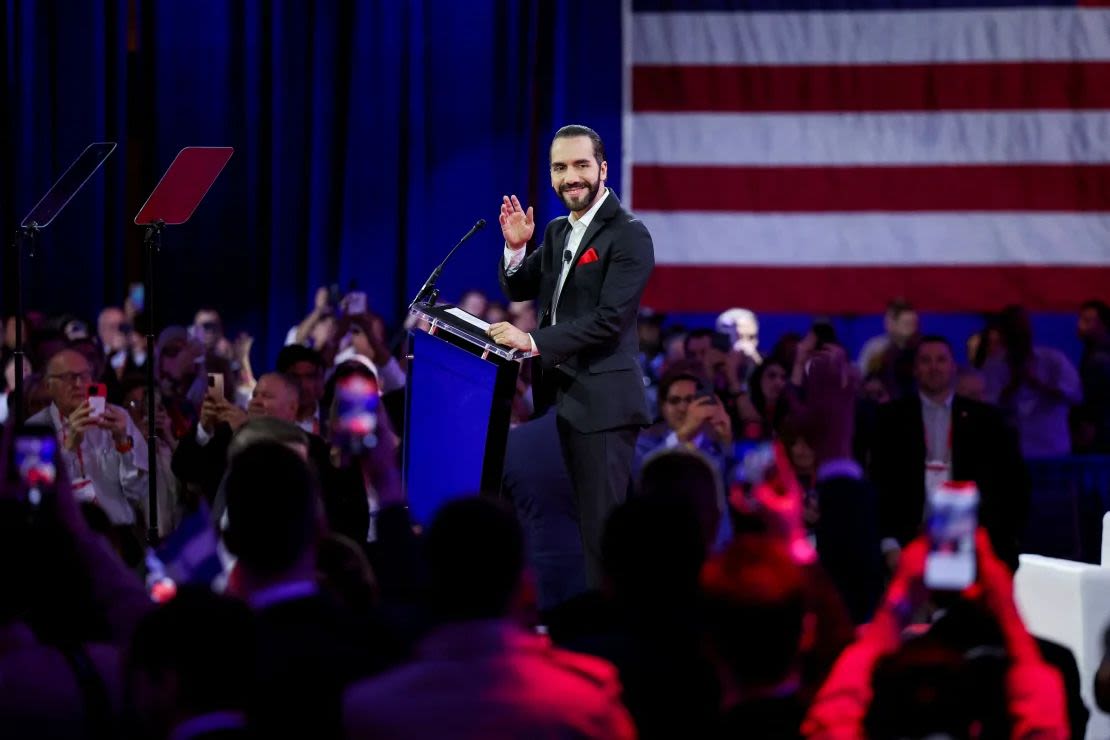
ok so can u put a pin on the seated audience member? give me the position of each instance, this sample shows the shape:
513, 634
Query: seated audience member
474, 302
653, 549
104, 454
307, 367
191, 668
899, 327
767, 404
692, 477
480, 674
171, 500
69, 606
874, 390
181, 375
496, 312
1034, 386
538, 485
742, 328
208, 328
753, 597
937, 436
1094, 371
308, 648
912, 694
846, 531
693, 417
114, 332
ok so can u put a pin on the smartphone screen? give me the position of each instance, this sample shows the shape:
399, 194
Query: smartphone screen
137, 294
216, 385
33, 458
97, 398
357, 403
951, 523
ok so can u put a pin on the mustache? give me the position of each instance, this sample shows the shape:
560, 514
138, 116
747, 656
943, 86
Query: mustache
571, 186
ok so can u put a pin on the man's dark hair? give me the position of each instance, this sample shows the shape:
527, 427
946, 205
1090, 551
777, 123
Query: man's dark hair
689, 476
753, 597
898, 306
475, 557
273, 507
575, 130
206, 643
679, 371
651, 551
925, 688
291, 354
934, 339
1098, 307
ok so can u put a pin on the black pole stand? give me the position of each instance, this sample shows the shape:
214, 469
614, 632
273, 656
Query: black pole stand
24, 237
152, 241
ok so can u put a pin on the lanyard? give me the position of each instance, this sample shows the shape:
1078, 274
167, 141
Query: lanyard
77, 451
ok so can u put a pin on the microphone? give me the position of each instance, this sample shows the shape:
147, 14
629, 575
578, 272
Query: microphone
428, 290
567, 256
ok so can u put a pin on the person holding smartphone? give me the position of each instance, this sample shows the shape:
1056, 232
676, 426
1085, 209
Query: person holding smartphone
693, 417
103, 452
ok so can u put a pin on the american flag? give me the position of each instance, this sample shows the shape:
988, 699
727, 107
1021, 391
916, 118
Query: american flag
826, 156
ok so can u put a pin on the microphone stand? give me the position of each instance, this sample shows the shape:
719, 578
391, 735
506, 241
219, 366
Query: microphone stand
428, 293
24, 237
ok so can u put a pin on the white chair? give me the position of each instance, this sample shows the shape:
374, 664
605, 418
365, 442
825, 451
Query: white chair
1069, 603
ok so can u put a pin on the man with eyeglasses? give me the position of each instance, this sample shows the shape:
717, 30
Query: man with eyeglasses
693, 417
105, 453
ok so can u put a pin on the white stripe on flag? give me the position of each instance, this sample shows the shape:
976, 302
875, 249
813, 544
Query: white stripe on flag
877, 37
870, 138
880, 239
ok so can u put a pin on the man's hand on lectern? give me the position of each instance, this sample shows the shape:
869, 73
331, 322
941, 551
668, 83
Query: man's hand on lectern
517, 225
508, 335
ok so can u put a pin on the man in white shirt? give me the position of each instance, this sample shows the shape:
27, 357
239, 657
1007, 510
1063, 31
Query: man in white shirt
105, 454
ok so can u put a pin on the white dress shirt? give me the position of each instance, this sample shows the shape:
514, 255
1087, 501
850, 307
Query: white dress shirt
938, 429
116, 479
578, 227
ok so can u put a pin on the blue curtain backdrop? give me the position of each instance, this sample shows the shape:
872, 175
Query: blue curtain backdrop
369, 137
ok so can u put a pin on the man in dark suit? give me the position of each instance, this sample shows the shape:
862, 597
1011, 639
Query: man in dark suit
588, 276
936, 435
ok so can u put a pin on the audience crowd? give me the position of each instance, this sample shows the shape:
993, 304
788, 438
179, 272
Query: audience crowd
763, 579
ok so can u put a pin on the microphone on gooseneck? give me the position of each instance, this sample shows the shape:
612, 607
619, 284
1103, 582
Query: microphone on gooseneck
428, 290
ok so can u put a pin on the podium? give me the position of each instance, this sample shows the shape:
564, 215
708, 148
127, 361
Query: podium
457, 409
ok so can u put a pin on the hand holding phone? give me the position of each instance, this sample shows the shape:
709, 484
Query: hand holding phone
951, 523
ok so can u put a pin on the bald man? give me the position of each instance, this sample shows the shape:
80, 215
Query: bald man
105, 455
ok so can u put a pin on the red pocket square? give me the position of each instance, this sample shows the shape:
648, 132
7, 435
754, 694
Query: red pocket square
589, 256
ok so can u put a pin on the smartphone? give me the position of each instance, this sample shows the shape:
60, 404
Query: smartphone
953, 516
758, 465
216, 386
98, 398
356, 303
137, 294
32, 463
357, 403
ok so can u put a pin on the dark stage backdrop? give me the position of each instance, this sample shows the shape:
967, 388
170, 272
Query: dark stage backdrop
369, 137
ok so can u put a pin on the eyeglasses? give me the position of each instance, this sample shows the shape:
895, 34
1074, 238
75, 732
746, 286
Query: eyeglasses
70, 378
676, 400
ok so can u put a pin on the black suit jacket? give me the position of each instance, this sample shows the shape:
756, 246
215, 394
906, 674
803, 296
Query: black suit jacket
984, 450
595, 343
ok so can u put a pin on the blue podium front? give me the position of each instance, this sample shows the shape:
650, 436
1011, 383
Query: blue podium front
458, 406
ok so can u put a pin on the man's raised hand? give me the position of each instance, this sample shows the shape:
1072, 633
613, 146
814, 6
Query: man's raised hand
517, 225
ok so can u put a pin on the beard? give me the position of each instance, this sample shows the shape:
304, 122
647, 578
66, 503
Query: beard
582, 201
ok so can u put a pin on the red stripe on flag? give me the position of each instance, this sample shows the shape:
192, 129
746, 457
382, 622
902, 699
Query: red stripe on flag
881, 87
859, 290
815, 189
